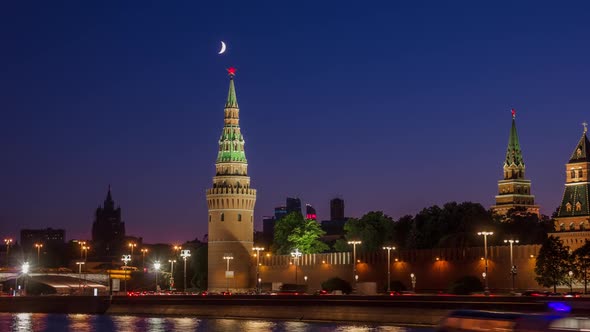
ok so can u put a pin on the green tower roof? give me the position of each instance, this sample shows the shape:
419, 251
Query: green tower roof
581, 153
513, 152
232, 100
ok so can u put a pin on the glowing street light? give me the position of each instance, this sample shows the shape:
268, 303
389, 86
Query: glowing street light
176, 249
157, 266
485, 245
185, 254
126, 259
571, 274
25, 270
85, 248
413, 279
172, 261
8, 242
389, 249
227, 257
82, 244
38, 246
512, 266
132, 245
143, 252
80, 274
354, 275
258, 250
296, 254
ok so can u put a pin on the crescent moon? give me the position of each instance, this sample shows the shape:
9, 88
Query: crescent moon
222, 48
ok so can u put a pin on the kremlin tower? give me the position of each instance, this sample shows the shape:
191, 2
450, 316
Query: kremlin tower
231, 207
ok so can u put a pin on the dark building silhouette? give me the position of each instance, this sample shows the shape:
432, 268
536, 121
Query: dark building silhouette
293, 205
310, 212
337, 209
108, 231
280, 212
268, 229
49, 237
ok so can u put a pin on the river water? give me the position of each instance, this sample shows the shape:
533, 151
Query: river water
25, 322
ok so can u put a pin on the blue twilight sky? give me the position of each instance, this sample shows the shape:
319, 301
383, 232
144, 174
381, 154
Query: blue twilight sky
393, 105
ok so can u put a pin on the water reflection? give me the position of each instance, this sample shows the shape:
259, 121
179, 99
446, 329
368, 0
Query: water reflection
25, 322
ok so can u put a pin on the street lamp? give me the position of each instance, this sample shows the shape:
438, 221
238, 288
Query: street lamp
157, 269
8, 242
389, 249
571, 274
176, 249
185, 254
125, 259
79, 275
85, 248
258, 250
132, 245
172, 261
143, 252
25, 270
413, 278
512, 266
82, 244
485, 245
38, 246
227, 257
354, 275
296, 254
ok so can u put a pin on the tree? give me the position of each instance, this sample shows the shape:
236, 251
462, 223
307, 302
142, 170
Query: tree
293, 231
199, 265
306, 238
553, 263
374, 229
581, 263
336, 283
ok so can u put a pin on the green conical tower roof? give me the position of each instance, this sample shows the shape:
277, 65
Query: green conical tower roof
513, 152
232, 100
581, 153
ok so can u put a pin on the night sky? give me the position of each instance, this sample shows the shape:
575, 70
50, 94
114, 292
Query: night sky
392, 106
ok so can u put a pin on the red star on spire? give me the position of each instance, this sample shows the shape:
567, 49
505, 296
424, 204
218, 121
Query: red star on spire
513, 111
231, 71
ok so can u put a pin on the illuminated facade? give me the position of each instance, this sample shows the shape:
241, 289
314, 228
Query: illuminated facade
514, 191
231, 207
573, 218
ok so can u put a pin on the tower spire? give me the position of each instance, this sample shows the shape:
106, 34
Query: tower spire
582, 151
232, 101
513, 152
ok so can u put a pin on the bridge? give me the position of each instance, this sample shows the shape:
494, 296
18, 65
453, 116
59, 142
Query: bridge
62, 283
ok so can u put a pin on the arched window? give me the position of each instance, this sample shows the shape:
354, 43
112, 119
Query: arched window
578, 206
573, 174
222, 217
562, 227
572, 226
239, 217
583, 226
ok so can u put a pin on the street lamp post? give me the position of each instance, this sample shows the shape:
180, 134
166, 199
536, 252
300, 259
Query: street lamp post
172, 261
354, 275
258, 250
82, 244
125, 259
227, 257
571, 274
143, 252
512, 266
389, 249
38, 246
132, 245
8, 242
176, 249
25, 270
85, 248
296, 254
413, 278
157, 269
80, 275
485, 245
185, 254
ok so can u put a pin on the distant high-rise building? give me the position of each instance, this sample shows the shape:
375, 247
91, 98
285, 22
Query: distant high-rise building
108, 230
514, 191
310, 212
293, 205
280, 212
48, 237
337, 209
268, 229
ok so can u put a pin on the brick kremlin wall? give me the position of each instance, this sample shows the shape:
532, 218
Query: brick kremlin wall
435, 269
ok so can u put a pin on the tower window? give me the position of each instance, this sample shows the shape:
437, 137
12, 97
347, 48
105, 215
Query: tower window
562, 227
209, 218
581, 173
573, 174
568, 207
578, 206
239, 217
222, 217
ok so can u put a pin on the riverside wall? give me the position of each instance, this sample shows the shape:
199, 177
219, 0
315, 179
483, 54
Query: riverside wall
435, 269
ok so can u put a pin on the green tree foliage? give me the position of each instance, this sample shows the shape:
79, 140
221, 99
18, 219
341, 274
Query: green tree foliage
374, 229
553, 264
581, 264
527, 227
466, 285
199, 266
337, 284
293, 231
